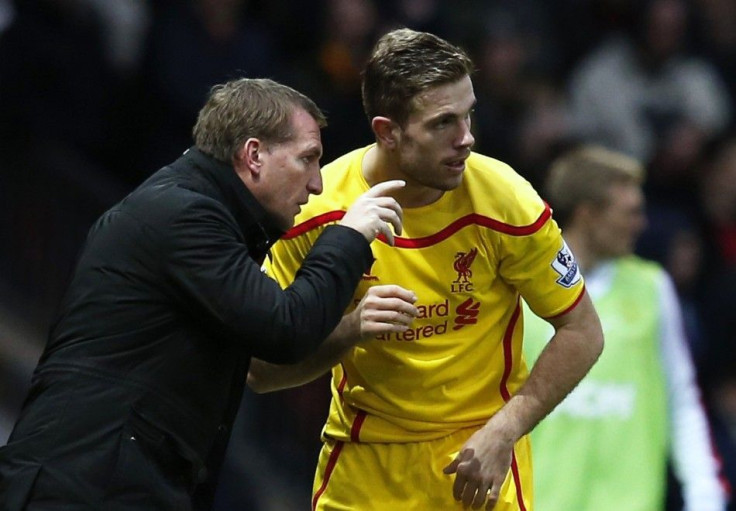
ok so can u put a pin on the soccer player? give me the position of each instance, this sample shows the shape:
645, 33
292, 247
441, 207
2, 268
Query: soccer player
437, 416
610, 439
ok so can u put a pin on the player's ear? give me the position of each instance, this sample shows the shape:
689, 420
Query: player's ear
386, 130
250, 155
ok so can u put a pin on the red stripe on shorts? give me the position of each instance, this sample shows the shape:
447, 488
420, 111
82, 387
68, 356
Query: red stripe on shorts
517, 482
357, 424
328, 472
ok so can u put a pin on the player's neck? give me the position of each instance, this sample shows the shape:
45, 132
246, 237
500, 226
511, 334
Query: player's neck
378, 167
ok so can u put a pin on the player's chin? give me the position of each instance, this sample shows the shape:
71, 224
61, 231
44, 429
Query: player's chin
452, 182
286, 221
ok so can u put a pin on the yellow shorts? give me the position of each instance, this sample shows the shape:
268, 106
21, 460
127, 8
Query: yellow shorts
407, 476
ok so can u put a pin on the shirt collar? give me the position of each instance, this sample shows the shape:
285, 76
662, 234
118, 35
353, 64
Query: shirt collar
259, 228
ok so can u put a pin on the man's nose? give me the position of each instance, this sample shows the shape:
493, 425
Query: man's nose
466, 137
314, 185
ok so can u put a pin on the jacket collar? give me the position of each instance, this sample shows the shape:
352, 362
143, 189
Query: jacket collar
259, 229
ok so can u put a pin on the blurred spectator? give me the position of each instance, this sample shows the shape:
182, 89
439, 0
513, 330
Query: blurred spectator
640, 403
192, 46
545, 130
90, 89
7, 13
643, 94
424, 15
674, 239
582, 25
58, 144
55, 70
718, 197
502, 89
724, 418
126, 23
521, 117
716, 37
331, 73
719, 370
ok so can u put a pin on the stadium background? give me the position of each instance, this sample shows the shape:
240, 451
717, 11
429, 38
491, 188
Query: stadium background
97, 94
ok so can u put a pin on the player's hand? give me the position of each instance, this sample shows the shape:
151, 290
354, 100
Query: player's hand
374, 212
384, 309
481, 466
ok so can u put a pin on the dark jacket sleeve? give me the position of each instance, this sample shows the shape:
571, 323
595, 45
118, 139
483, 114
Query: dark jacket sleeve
210, 270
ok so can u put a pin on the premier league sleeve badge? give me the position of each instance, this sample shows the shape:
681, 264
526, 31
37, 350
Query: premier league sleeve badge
565, 264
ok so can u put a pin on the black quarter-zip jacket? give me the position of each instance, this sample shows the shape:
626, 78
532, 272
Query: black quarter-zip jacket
165, 308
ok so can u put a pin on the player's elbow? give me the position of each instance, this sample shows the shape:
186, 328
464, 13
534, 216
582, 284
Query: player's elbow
594, 339
582, 327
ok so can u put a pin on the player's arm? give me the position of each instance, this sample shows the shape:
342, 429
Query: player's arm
383, 309
575, 346
696, 463
484, 460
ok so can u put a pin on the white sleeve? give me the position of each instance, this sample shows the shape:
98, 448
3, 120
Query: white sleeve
695, 462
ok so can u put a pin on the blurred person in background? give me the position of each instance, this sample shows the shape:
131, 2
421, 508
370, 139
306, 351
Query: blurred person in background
437, 417
521, 117
719, 364
192, 45
51, 201
331, 72
718, 301
642, 92
718, 198
55, 67
582, 25
606, 446
59, 146
133, 400
715, 38
674, 238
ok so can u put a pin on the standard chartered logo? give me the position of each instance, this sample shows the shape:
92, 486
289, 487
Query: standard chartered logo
440, 311
596, 400
436, 318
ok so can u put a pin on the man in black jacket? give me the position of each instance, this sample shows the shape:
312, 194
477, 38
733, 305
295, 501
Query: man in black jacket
133, 399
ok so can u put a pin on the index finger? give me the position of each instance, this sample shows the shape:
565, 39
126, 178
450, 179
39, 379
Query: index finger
385, 188
393, 290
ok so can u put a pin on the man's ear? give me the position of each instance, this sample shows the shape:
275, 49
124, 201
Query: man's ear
250, 156
386, 130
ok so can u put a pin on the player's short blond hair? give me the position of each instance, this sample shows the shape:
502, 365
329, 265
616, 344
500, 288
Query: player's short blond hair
584, 175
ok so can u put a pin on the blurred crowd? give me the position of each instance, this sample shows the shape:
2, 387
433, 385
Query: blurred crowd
97, 94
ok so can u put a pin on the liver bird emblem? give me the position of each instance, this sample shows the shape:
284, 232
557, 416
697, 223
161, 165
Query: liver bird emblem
462, 263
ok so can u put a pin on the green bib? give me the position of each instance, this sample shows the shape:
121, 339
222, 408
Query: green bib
605, 446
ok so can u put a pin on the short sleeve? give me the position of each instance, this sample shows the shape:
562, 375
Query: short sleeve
543, 269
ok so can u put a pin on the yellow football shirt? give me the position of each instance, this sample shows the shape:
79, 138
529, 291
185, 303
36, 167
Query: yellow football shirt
468, 257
